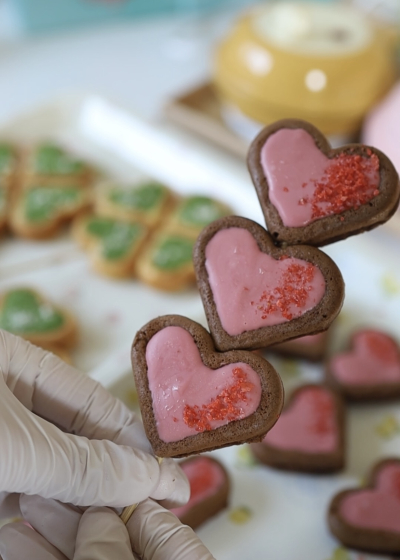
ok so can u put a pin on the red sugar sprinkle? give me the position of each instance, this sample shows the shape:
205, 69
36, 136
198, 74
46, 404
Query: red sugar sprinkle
323, 410
382, 348
350, 181
225, 406
285, 189
293, 291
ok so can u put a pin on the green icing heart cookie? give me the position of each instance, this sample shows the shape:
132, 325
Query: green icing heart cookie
118, 238
45, 203
23, 312
199, 211
173, 252
6, 158
143, 197
51, 160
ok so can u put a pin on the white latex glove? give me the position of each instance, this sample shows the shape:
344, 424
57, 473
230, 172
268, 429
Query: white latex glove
109, 462
67, 532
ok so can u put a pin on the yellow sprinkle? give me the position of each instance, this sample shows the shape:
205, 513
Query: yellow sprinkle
390, 285
344, 318
290, 367
244, 457
240, 515
389, 427
340, 554
131, 398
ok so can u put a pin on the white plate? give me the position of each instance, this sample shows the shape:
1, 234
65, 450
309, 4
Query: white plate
287, 511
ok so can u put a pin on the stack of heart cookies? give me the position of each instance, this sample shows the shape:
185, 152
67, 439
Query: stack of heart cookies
200, 391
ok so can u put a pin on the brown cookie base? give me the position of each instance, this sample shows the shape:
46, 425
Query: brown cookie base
337, 226
251, 428
204, 510
313, 321
313, 352
298, 461
368, 540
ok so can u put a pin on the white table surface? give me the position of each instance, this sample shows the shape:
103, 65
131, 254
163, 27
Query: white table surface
137, 64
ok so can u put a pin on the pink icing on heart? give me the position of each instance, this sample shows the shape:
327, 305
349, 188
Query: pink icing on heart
205, 478
305, 185
309, 425
374, 359
188, 397
251, 289
377, 508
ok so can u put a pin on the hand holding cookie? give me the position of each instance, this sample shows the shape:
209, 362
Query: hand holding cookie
100, 456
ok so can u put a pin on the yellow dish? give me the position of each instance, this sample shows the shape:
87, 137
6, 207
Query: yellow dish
325, 63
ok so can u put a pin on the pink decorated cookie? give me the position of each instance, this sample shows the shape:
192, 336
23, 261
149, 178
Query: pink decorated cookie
209, 490
309, 435
193, 398
255, 294
369, 518
312, 194
369, 370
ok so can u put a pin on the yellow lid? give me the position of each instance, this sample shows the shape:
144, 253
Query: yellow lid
325, 63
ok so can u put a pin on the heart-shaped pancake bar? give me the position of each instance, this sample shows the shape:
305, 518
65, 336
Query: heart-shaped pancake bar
369, 518
309, 435
312, 194
369, 370
255, 294
195, 399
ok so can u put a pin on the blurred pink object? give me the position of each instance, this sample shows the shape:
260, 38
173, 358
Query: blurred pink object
382, 126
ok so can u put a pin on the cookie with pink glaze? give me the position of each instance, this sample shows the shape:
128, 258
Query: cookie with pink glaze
255, 294
309, 435
368, 518
369, 370
195, 399
312, 194
312, 348
209, 490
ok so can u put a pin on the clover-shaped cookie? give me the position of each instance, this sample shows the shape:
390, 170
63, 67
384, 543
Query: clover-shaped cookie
40, 209
147, 202
256, 294
309, 435
369, 518
312, 194
27, 313
113, 244
48, 163
195, 399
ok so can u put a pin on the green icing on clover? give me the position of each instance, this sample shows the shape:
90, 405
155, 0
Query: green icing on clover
173, 252
42, 203
6, 158
199, 211
142, 197
24, 312
52, 160
117, 238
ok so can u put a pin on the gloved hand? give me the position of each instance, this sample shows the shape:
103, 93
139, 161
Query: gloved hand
67, 532
63, 436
